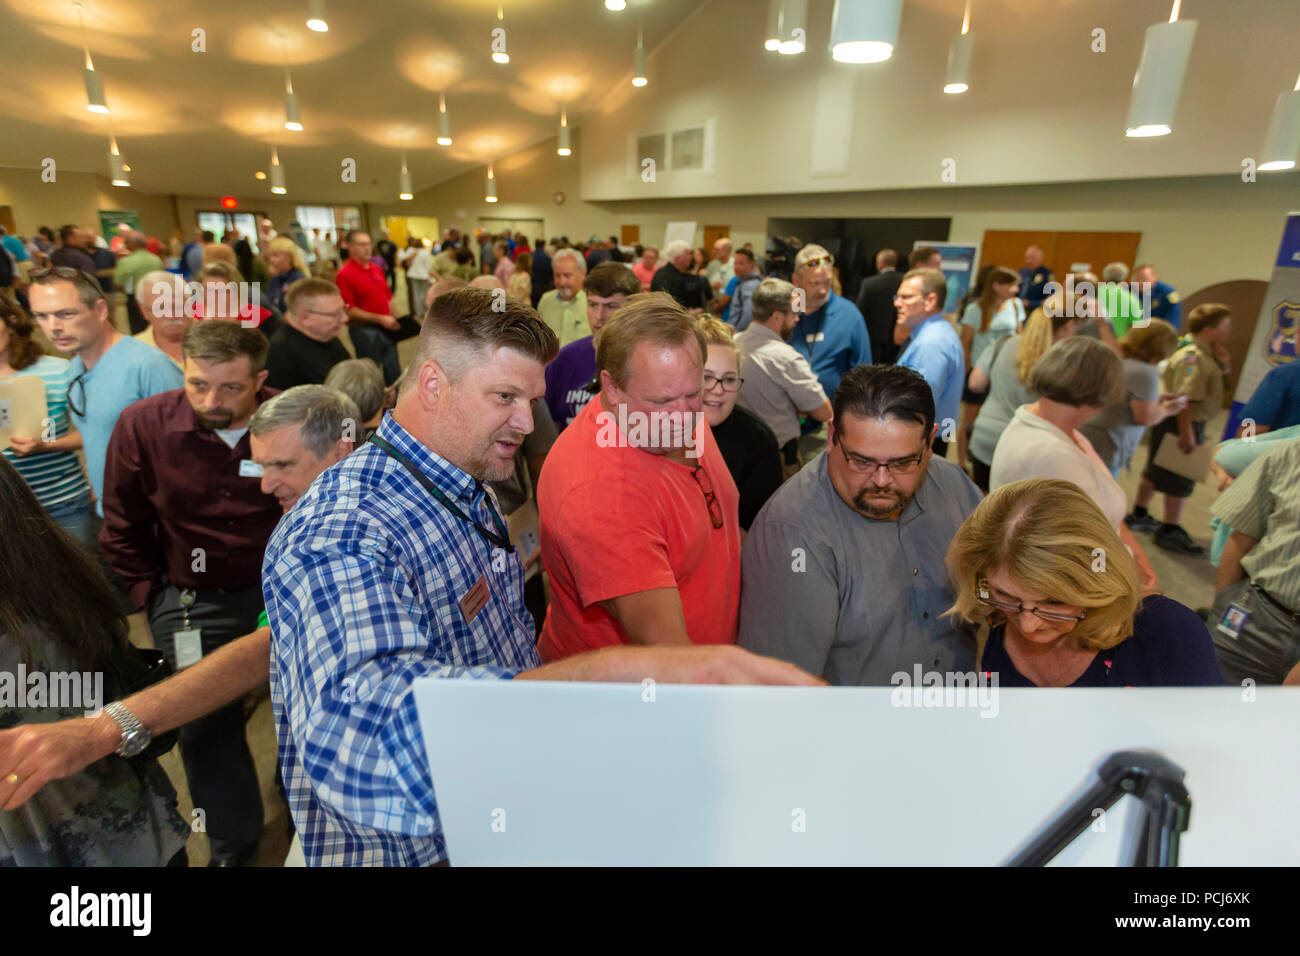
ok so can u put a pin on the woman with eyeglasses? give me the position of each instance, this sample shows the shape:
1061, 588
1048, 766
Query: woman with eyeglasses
1040, 563
58, 617
747, 444
46, 458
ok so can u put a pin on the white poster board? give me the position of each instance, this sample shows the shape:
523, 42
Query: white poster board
620, 774
22, 407
684, 231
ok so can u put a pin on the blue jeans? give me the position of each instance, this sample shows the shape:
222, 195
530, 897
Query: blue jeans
73, 516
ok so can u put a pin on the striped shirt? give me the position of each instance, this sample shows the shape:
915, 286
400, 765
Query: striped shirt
1264, 503
55, 477
365, 580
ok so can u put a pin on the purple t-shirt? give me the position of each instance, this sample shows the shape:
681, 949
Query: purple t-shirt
567, 379
1170, 647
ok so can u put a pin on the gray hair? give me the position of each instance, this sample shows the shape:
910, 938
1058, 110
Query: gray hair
771, 295
677, 247
323, 416
362, 381
144, 287
1114, 272
573, 254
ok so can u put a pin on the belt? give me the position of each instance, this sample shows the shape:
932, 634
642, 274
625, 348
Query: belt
1293, 615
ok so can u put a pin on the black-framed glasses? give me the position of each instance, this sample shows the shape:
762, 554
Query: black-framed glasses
78, 383
715, 508
1008, 607
729, 383
869, 466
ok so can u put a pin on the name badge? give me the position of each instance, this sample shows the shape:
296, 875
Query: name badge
249, 469
189, 647
1233, 620
815, 337
475, 600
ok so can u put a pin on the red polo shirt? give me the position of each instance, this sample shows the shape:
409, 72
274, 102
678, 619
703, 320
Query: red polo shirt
363, 287
172, 486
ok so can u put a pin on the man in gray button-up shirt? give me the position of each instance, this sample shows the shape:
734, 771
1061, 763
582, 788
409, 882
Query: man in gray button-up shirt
843, 570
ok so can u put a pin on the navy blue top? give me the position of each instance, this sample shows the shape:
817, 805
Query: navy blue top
1169, 647
1276, 402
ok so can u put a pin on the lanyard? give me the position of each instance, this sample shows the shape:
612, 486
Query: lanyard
500, 538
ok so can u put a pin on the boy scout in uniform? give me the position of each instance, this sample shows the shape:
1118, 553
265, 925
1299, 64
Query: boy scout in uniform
1196, 370
1256, 619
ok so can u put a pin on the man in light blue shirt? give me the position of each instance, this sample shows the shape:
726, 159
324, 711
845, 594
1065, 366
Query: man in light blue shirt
109, 371
830, 334
933, 347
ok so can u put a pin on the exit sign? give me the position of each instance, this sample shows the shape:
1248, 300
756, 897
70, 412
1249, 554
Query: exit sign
228, 202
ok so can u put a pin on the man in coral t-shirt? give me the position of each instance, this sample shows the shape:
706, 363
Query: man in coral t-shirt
639, 515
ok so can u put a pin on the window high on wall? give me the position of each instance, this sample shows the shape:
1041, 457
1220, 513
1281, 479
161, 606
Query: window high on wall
331, 219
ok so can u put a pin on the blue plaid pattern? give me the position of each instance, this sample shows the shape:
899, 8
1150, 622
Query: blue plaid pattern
362, 581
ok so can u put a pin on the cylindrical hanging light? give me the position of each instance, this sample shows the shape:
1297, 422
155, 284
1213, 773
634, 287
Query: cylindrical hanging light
1159, 79
95, 101
616, 5
277, 173
638, 62
563, 147
1282, 143
444, 123
793, 22
292, 121
119, 172
865, 32
405, 191
500, 56
316, 16
490, 192
772, 38
959, 57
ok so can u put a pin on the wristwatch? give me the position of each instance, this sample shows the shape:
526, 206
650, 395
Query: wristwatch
135, 735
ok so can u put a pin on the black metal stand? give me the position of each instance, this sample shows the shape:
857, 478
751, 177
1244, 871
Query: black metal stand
1163, 814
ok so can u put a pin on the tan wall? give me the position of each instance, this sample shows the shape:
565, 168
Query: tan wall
76, 198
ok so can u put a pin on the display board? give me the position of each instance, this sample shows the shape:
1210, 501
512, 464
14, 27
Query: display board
562, 773
958, 265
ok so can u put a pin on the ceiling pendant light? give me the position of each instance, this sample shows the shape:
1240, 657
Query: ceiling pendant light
1282, 143
616, 5
277, 173
499, 52
563, 147
444, 124
119, 172
794, 15
316, 16
772, 38
292, 121
865, 32
405, 188
959, 56
490, 193
1159, 79
95, 101
638, 61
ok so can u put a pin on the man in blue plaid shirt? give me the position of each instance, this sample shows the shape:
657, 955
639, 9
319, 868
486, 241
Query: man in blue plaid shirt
395, 565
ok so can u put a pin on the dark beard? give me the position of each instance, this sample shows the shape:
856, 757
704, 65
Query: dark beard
875, 511
212, 424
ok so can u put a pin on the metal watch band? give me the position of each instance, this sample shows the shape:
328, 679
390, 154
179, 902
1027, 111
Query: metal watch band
132, 728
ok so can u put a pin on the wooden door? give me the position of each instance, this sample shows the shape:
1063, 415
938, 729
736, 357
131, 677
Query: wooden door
629, 235
1094, 250
1006, 247
713, 233
7, 220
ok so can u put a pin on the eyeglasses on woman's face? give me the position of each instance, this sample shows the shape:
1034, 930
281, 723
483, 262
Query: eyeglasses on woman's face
1051, 616
729, 383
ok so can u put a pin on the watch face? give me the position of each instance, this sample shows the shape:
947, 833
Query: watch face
134, 742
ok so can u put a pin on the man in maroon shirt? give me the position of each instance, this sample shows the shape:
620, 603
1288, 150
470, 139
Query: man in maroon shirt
185, 525
366, 294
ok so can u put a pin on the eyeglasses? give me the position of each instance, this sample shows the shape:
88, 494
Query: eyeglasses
715, 508
1007, 607
78, 382
730, 383
813, 263
869, 466
68, 274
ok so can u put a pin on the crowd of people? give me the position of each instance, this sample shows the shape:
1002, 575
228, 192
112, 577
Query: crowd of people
601, 463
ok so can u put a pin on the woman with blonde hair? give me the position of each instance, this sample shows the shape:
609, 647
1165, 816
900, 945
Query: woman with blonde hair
747, 444
287, 265
1116, 430
520, 284
1040, 563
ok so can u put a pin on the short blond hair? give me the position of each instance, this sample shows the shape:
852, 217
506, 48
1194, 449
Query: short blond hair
654, 317
1049, 536
716, 332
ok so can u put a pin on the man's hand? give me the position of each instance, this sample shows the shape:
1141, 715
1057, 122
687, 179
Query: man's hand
1186, 443
1218, 471
1224, 357
387, 322
26, 446
39, 753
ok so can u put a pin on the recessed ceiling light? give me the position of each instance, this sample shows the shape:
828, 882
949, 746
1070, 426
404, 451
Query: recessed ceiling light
259, 175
